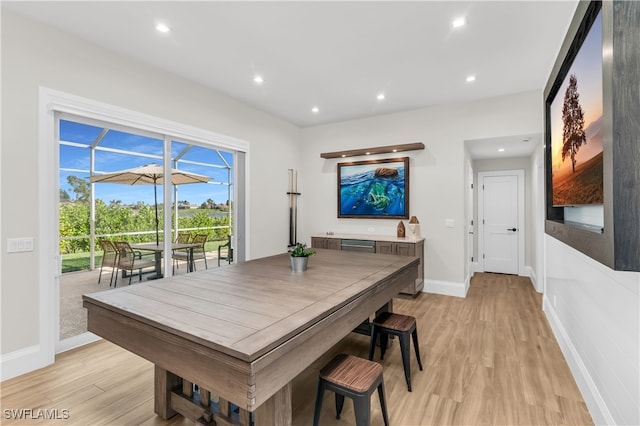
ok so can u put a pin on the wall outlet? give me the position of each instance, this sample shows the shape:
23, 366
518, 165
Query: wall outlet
371, 229
449, 223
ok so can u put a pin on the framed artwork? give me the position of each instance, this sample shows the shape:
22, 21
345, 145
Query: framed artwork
374, 189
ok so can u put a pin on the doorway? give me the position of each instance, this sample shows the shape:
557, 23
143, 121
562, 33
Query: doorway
92, 217
54, 106
501, 230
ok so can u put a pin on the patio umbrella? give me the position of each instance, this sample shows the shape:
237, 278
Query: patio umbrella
150, 174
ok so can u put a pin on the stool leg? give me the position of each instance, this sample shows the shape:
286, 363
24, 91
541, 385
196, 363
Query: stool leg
372, 344
406, 362
384, 339
319, 397
362, 407
339, 404
416, 346
383, 404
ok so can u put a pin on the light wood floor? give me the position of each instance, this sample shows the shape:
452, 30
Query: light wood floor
490, 358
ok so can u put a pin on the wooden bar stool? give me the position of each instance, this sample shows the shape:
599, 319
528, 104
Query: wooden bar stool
398, 325
356, 378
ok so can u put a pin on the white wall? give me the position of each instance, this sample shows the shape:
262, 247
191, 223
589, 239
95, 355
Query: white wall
437, 174
538, 217
35, 55
595, 314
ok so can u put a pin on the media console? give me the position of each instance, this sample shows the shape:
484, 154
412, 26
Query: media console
383, 244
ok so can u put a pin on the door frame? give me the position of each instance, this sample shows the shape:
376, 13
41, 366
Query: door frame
521, 219
51, 104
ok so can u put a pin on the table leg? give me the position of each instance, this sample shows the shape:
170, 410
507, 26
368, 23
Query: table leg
277, 410
164, 383
158, 259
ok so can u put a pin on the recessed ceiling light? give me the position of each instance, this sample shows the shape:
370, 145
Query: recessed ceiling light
380, 96
500, 149
459, 22
258, 79
315, 110
162, 28
471, 78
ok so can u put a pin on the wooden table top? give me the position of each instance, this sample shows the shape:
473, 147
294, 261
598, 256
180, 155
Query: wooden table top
247, 309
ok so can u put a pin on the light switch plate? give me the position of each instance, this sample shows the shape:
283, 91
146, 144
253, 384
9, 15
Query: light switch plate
18, 245
448, 223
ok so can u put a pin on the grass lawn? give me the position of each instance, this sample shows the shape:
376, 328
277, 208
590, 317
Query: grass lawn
80, 261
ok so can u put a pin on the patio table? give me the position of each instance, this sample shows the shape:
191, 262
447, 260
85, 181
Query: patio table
157, 249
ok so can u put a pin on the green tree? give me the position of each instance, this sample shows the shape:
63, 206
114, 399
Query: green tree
573, 135
74, 221
80, 187
64, 196
209, 204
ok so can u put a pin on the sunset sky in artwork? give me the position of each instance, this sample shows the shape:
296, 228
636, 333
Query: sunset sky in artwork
587, 67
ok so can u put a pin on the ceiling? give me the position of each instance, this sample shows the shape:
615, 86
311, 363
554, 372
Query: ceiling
336, 56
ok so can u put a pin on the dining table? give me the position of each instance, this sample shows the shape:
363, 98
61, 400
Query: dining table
157, 250
242, 333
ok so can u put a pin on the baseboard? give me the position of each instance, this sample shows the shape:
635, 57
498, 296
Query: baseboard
531, 273
595, 404
76, 341
446, 288
23, 361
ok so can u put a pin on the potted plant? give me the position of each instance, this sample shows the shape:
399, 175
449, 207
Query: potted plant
299, 255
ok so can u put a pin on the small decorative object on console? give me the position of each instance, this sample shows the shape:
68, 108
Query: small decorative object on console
414, 227
401, 231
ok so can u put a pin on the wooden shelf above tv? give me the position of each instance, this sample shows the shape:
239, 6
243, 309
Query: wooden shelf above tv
376, 150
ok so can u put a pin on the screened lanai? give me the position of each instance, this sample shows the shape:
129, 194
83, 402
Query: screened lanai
90, 211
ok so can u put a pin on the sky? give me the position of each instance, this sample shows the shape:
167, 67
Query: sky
587, 67
148, 150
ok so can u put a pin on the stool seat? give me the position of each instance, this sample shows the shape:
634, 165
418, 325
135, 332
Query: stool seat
355, 378
396, 322
399, 325
351, 372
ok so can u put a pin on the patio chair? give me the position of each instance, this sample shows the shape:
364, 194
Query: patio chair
199, 251
181, 254
130, 261
228, 256
109, 258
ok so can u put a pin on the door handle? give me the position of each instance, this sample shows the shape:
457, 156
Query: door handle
512, 229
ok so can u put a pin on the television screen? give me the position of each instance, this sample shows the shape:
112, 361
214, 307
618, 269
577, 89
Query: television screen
576, 127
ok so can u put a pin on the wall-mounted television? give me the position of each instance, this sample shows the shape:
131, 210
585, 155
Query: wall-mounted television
616, 243
575, 114
375, 189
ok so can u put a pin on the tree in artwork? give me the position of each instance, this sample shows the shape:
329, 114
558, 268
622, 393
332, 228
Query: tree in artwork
573, 134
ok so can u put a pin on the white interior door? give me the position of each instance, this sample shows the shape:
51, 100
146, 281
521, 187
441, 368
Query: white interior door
501, 223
